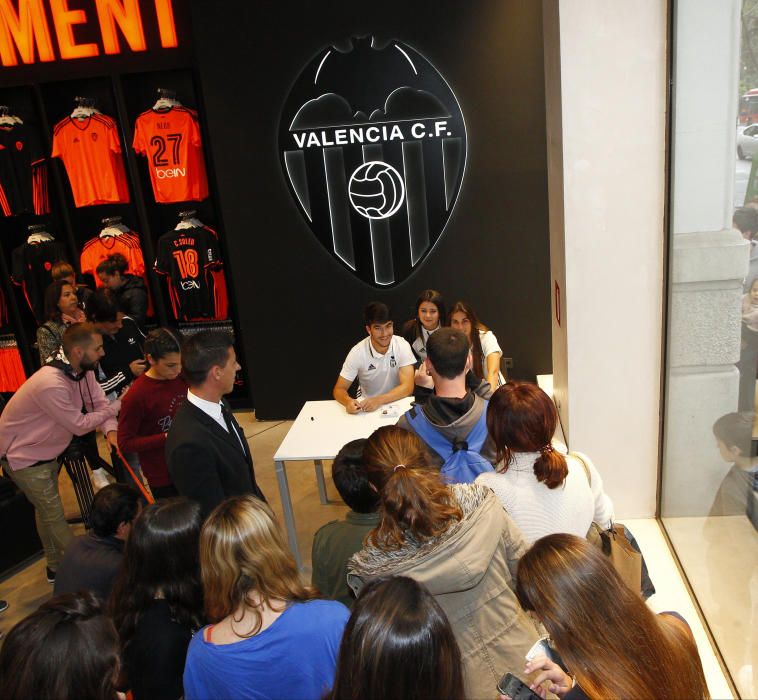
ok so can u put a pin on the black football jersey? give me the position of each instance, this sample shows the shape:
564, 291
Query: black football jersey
23, 181
186, 256
32, 264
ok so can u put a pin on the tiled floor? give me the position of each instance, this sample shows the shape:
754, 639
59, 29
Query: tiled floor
720, 559
27, 590
671, 594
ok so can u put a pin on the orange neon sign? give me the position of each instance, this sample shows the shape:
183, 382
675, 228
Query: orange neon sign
26, 34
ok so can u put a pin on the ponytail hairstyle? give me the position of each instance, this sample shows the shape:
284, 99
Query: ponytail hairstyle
477, 354
162, 341
522, 418
614, 645
413, 499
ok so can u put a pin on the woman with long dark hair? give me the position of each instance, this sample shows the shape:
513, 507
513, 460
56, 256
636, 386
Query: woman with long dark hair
61, 310
455, 539
270, 637
66, 650
399, 626
485, 350
612, 644
157, 601
543, 490
430, 315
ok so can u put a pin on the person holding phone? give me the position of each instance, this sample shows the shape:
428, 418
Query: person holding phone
123, 344
612, 644
124, 359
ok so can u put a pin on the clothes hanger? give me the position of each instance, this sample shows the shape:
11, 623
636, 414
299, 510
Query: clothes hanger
187, 220
84, 108
113, 226
166, 100
8, 119
38, 234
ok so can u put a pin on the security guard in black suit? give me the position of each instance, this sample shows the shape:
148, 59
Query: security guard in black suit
206, 451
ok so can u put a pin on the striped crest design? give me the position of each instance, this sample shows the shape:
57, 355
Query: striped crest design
373, 147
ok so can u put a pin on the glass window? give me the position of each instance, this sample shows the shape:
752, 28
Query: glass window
709, 488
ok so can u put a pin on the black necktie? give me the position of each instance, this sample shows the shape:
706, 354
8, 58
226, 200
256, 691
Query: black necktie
229, 420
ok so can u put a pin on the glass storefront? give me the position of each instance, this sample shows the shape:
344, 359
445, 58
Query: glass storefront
709, 485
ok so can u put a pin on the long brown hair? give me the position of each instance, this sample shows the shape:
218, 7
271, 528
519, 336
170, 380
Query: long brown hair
522, 418
52, 297
398, 642
477, 355
413, 329
412, 496
242, 551
609, 639
161, 557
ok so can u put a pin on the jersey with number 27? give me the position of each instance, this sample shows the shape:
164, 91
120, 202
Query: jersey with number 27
171, 141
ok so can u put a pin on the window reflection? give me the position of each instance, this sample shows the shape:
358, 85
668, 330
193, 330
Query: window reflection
709, 502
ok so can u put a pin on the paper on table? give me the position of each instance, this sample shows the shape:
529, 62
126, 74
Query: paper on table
391, 410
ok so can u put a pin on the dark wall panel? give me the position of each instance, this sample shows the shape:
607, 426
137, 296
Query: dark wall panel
299, 309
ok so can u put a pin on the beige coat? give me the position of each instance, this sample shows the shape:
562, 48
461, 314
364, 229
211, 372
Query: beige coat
470, 570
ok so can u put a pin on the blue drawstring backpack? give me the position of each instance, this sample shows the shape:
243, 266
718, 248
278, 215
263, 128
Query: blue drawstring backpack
462, 462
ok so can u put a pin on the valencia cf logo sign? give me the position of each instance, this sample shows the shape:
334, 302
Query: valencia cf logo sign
373, 146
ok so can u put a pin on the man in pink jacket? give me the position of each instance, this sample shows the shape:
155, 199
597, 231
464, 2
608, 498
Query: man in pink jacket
58, 401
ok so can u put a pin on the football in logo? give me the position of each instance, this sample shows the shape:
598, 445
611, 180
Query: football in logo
376, 190
373, 148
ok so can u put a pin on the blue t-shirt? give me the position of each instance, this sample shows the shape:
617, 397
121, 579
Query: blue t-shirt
293, 659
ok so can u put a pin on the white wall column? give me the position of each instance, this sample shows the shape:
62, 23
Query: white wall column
605, 72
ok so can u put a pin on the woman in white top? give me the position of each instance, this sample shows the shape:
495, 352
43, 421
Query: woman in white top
544, 491
485, 350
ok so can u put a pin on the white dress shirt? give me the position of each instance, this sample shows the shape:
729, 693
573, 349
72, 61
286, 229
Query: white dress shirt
214, 410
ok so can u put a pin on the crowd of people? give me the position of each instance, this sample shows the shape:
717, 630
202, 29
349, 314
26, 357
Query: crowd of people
463, 555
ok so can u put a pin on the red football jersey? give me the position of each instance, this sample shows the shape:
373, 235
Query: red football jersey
171, 141
91, 152
99, 248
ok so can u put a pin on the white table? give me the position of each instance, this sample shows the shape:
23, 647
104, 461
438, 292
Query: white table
319, 432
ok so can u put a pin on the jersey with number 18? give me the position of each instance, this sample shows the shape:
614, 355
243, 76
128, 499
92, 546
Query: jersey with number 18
186, 256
